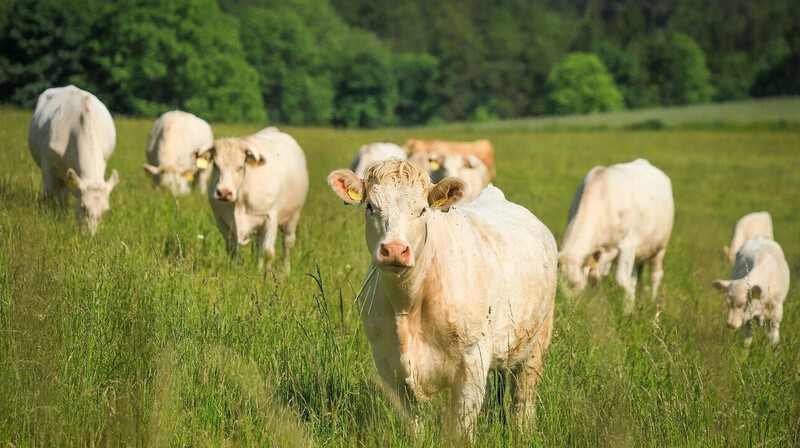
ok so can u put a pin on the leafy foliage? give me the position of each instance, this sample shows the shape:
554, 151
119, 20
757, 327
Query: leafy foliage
581, 84
379, 62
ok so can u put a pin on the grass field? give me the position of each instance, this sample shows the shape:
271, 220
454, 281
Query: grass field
149, 335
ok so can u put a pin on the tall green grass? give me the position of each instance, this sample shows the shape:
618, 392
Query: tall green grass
149, 335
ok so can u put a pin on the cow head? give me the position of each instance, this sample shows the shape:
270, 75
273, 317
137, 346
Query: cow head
92, 198
575, 272
231, 156
398, 198
177, 180
743, 301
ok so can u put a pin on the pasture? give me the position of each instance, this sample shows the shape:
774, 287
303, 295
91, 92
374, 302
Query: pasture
149, 335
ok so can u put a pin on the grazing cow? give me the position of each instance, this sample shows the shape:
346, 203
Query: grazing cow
624, 211
749, 226
483, 149
71, 137
258, 183
375, 152
468, 168
452, 292
758, 286
171, 145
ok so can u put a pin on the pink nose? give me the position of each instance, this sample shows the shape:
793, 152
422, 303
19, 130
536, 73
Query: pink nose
223, 194
731, 325
395, 252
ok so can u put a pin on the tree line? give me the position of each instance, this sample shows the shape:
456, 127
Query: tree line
372, 63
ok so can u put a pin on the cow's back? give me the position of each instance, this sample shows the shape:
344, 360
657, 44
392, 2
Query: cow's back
764, 261
512, 256
72, 128
631, 201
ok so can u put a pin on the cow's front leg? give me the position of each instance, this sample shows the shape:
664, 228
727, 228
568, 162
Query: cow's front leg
468, 393
268, 242
625, 266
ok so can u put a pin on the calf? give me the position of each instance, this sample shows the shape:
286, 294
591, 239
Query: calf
452, 295
625, 211
258, 184
757, 289
71, 137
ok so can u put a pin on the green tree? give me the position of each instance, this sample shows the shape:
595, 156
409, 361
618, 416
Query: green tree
366, 86
676, 70
296, 89
149, 56
580, 83
39, 49
416, 85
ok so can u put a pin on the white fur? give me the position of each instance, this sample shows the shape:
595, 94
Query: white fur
760, 263
72, 130
749, 226
477, 294
265, 197
175, 137
373, 153
625, 211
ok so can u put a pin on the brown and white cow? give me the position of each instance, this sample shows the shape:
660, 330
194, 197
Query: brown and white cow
71, 137
749, 226
258, 184
757, 289
452, 292
623, 211
171, 145
483, 149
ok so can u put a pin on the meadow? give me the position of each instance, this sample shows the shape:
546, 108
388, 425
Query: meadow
148, 334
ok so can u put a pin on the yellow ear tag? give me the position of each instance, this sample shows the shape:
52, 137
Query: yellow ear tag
189, 176
252, 162
353, 194
201, 163
440, 202
434, 165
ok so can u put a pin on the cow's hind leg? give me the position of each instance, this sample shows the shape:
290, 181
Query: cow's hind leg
526, 377
656, 272
624, 276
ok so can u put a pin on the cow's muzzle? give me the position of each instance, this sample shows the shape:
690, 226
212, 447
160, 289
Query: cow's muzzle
395, 253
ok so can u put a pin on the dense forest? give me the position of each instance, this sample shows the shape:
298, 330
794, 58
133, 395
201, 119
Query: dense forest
371, 63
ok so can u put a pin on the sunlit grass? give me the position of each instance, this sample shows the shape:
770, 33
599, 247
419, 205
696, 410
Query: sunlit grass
150, 335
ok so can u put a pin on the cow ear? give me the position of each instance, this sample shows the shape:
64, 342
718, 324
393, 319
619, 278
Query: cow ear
347, 186
203, 156
721, 285
113, 179
446, 192
253, 158
153, 170
73, 180
408, 147
755, 292
592, 259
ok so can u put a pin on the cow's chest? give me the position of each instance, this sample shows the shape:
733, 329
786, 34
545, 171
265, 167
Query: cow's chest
427, 364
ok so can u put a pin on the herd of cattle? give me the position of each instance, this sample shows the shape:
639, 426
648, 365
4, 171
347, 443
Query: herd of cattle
461, 280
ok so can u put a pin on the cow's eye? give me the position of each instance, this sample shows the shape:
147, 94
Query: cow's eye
422, 212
